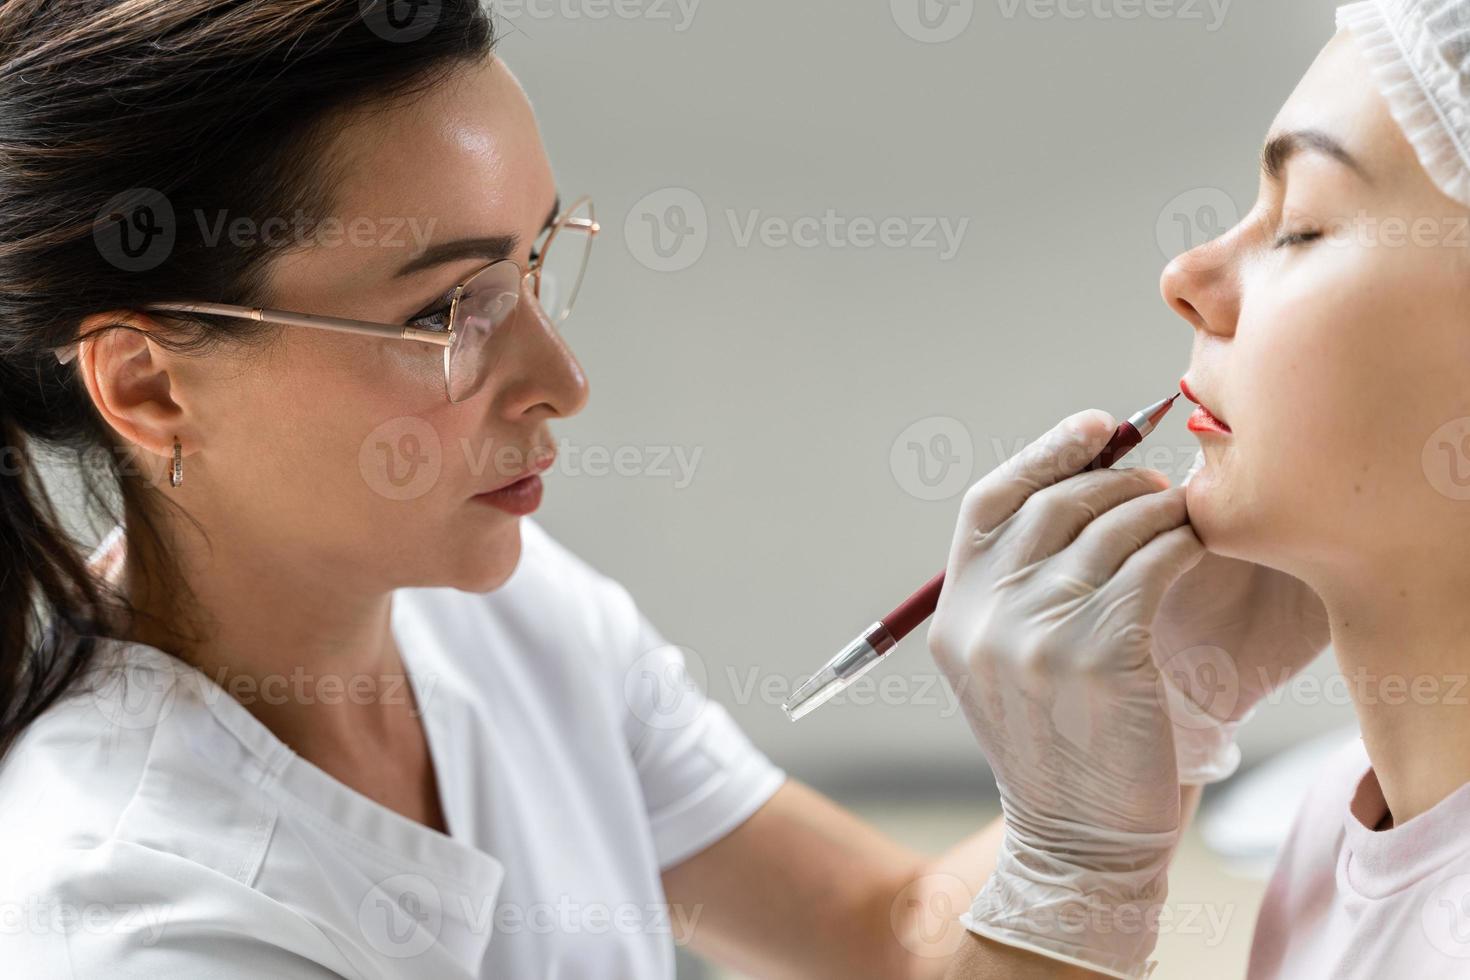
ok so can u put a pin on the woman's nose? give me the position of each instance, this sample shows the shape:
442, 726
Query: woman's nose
1203, 284
543, 375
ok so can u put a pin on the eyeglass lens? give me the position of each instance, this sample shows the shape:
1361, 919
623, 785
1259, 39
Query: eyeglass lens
489, 299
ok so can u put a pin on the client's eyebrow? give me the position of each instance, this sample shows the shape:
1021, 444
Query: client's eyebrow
1283, 146
491, 249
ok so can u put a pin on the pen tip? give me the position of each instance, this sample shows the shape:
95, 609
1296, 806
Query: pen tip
1158, 410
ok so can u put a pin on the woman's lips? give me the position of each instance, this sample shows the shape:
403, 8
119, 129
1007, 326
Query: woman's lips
519, 498
1202, 420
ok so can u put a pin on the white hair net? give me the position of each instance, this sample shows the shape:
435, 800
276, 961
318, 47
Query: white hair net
1419, 54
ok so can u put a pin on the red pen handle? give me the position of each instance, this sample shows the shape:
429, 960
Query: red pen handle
918, 607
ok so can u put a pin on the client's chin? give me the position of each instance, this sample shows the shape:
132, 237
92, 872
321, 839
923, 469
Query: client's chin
480, 566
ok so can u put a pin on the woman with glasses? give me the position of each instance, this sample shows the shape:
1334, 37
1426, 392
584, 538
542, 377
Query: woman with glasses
282, 284
285, 281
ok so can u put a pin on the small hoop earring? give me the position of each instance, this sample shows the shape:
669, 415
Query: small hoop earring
177, 476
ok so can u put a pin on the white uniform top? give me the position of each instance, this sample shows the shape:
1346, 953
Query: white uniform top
156, 829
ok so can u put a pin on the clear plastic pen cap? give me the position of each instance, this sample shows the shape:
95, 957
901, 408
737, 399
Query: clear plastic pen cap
854, 660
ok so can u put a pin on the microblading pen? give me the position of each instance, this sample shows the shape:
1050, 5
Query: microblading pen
859, 656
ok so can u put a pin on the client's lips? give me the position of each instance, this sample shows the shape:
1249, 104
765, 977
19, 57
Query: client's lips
1203, 419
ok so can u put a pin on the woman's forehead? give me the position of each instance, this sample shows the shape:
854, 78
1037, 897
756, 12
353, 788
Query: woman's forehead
470, 143
1337, 96
467, 160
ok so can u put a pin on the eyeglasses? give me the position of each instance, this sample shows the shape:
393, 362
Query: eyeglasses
477, 306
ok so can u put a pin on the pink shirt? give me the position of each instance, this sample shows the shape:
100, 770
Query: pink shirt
1347, 902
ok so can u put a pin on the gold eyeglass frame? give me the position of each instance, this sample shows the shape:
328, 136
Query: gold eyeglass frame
443, 338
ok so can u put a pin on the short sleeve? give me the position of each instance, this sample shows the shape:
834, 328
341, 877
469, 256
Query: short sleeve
701, 775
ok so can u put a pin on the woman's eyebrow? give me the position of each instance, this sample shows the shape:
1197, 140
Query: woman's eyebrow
492, 248
1283, 146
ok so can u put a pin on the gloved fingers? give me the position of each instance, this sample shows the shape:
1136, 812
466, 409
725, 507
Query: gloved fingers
1070, 445
1149, 572
1055, 516
1105, 544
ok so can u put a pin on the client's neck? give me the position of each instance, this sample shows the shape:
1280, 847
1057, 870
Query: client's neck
1403, 647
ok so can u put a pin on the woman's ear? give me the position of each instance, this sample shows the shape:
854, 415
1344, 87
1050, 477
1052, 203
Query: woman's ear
132, 382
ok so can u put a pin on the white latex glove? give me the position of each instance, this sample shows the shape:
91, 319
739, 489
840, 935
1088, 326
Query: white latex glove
1228, 632
1043, 630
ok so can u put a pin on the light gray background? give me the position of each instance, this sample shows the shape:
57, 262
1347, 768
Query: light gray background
1080, 149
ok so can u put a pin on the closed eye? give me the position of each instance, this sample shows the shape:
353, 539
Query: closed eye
1297, 238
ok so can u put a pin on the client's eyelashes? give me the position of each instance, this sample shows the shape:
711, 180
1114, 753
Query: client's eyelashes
1297, 238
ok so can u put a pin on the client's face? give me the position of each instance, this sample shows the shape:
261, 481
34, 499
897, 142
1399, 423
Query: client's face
1332, 337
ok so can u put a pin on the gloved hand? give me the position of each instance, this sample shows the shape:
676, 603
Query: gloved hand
1228, 632
1043, 630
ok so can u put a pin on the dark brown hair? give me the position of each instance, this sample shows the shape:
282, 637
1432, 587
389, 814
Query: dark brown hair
111, 110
